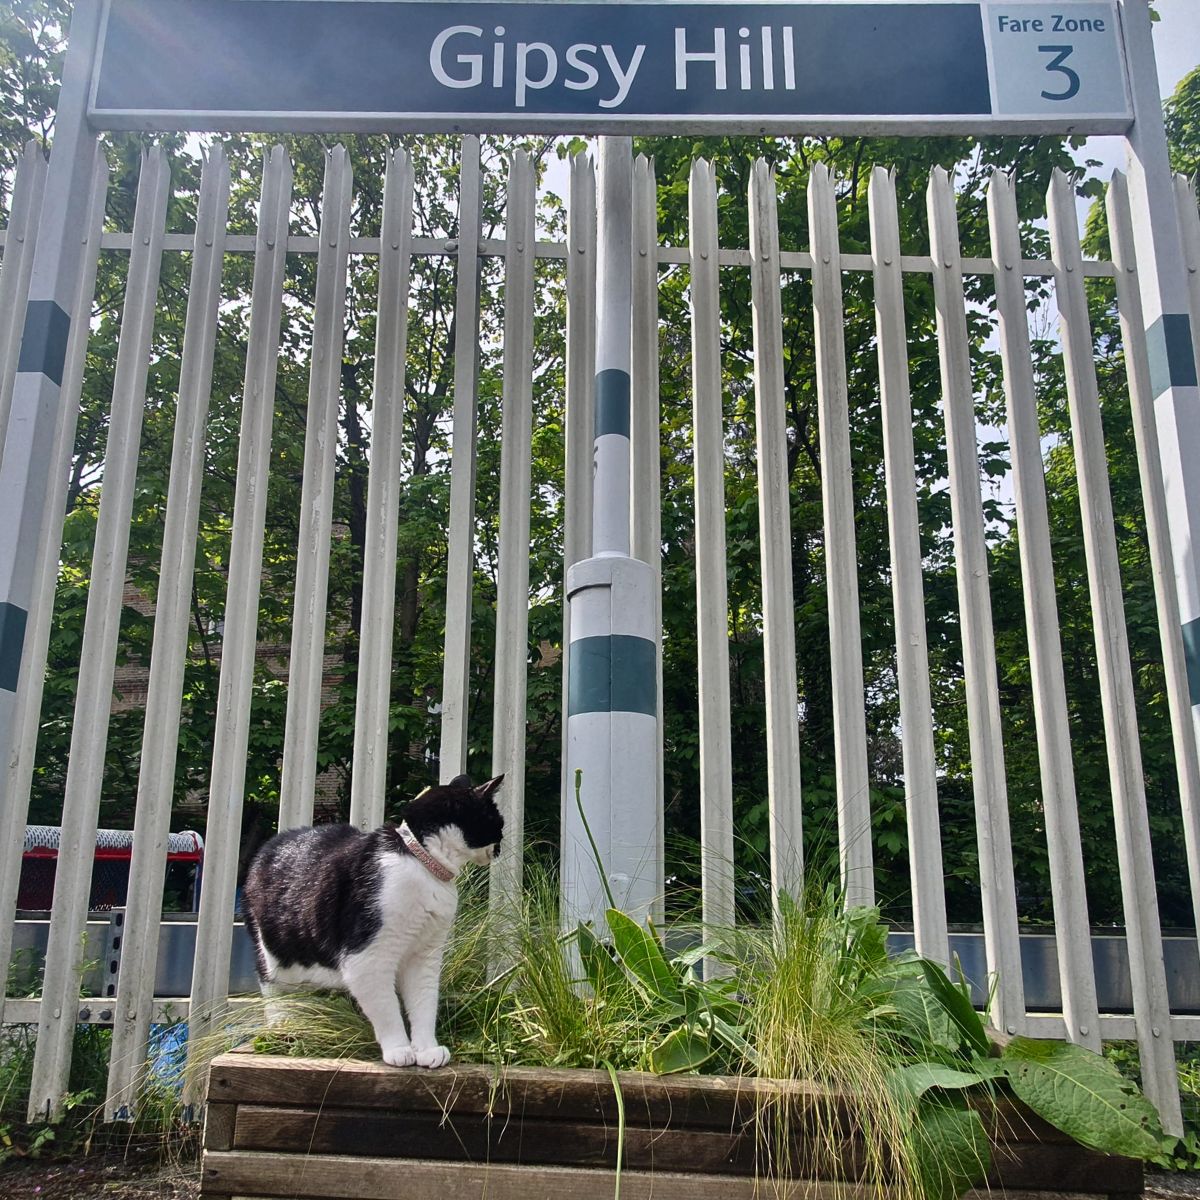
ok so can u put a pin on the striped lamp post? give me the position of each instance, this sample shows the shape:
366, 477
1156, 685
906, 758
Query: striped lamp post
613, 691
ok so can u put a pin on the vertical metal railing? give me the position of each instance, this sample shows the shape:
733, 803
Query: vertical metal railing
160, 740
767, 266
512, 588
908, 595
785, 810
712, 605
1069, 898
372, 710
214, 932
841, 557
93, 696
996, 883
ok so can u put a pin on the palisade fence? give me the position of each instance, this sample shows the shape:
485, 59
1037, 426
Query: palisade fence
135, 1006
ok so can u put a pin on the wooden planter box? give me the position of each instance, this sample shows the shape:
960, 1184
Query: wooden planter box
312, 1128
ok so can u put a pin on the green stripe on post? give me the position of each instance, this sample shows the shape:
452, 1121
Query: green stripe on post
1169, 350
613, 674
1191, 655
12, 642
612, 402
44, 341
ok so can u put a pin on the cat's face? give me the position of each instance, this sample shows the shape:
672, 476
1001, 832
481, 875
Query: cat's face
464, 817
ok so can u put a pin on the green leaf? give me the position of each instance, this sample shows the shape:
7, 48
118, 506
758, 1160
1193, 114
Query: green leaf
641, 952
950, 1146
922, 1018
602, 973
683, 1049
956, 1000
1084, 1095
909, 1084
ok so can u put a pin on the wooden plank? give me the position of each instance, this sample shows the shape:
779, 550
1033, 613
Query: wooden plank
1001, 936
785, 817
220, 1120
712, 607
841, 555
908, 591
1052, 722
714, 1102
480, 1138
503, 1137
244, 1173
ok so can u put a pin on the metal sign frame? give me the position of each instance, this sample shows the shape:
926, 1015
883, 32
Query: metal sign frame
1004, 61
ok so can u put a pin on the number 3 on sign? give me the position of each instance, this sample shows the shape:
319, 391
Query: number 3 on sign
1061, 54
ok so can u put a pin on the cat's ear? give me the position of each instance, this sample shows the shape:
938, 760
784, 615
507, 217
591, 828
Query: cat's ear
485, 791
459, 781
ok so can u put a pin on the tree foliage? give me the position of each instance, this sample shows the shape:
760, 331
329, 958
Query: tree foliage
30, 53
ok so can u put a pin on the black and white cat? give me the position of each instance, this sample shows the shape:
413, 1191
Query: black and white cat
369, 913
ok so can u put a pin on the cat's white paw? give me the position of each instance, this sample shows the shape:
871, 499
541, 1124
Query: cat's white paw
399, 1056
433, 1056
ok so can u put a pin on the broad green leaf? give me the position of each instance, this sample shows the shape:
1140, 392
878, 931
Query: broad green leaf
1084, 1095
951, 1149
642, 954
956, 1000
682, 1049
923, 1019
602, 973
909, 1084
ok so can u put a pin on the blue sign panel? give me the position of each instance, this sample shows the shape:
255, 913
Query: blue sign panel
581, 67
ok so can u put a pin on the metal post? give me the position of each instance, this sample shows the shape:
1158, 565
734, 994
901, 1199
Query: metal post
28, 446
1162, 278
613, 692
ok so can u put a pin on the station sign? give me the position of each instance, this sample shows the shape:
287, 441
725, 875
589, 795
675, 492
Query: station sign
806, 66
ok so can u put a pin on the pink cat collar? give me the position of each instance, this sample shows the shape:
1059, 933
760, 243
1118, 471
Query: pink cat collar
436, 869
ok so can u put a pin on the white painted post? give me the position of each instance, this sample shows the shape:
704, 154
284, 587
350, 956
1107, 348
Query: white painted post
1076, 971
20, 240
996, 883
1171, 340
612, 706
646, 453
28, 447
460, 552
841, 558
235, 690
908, 591
160, 738
1143, 934
372, 707
306, 662
712, 607
512, 587
18, 771
93, 695
580, 425
784, 808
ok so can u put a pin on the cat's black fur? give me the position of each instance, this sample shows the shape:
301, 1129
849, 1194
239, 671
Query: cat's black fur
313, 894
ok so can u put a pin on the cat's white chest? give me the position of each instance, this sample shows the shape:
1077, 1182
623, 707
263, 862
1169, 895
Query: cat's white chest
412, 903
